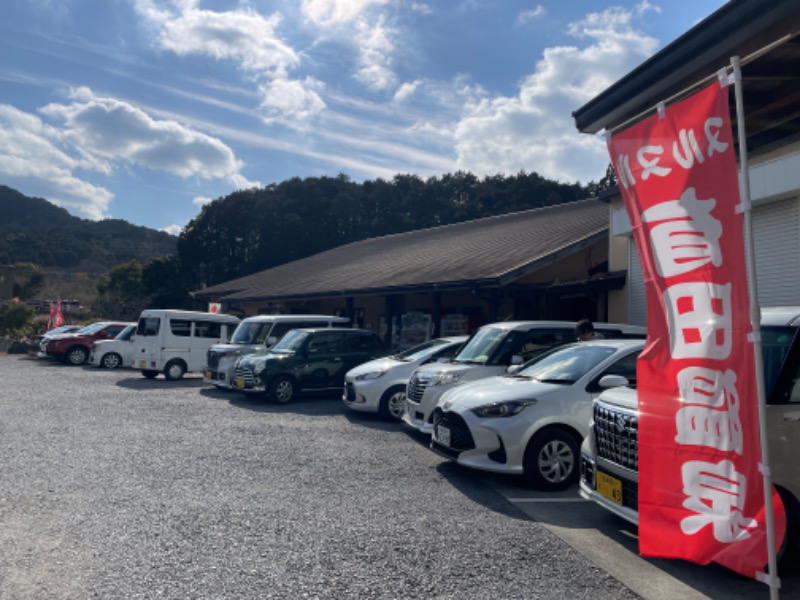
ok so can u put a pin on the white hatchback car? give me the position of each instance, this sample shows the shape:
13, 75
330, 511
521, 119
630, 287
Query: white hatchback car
118, 352
532, 422
379, 386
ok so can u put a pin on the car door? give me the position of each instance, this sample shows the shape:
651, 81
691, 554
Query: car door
324, 365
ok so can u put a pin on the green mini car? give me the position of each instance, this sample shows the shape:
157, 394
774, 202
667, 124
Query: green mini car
306, 360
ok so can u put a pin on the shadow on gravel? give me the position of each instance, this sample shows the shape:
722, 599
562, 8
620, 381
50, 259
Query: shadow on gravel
307, 405
142, 383
373, 421
475, 488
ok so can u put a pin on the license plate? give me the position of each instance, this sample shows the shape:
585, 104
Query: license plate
239, 383
142, 364
609, 487
442, 435
208, 374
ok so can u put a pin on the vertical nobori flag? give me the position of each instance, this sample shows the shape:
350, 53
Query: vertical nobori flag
701, 492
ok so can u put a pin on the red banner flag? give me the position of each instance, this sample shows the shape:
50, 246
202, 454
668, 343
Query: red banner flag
57, 316
701, 495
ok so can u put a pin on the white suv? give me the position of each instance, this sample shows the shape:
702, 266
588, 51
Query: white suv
609, 455
490, 351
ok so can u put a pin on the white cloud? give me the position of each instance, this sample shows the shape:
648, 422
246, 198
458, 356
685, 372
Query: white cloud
376, 48
243, 37
31, 152
527, 16
533, 130
291, 98
112, 130
172, 229
421, 8
201, 201
406, 90
336, 12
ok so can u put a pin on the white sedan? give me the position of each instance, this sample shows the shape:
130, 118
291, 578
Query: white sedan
379, 386
532, 422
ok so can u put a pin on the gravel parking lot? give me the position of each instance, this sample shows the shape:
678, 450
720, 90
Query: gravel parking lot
114, 486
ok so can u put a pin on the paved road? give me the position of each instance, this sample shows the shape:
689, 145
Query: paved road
113, 486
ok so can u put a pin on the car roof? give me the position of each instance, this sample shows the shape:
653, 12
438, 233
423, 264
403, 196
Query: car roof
780, 315
267, 318
526, 325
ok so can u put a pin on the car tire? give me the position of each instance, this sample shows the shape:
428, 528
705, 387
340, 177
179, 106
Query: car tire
76, 356
551, 460
393, 403
174, 370
149, 373
111, 360
282, 389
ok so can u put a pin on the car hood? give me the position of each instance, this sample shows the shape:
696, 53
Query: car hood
258, 359
623, 397
379, 364
442, 367
495, 389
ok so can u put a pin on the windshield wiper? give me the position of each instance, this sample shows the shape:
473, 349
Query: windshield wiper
559, 381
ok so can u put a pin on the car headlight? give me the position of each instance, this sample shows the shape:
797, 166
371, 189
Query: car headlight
370, 376
502, 409
447, 377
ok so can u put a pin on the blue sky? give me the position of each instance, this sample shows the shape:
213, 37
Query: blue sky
143, 110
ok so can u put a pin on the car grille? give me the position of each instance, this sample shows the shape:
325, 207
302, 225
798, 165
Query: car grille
349, 391
213, 359
460, 435
616, 434
247, 375
416, 388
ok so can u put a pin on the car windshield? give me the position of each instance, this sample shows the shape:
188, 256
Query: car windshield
126, 333
90, 329
250, 333
420, 352
775, 345
566, 365
291, 342
481, 346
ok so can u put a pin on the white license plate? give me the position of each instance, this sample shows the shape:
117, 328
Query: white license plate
442, 435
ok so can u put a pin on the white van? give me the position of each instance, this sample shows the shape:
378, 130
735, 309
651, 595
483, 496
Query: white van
256, 335
175, 342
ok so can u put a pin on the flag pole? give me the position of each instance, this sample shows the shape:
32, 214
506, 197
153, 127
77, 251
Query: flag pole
771, 578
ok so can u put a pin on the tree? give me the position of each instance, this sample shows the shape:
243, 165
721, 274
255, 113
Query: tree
121, 295
16, 319
28, 280
167, 284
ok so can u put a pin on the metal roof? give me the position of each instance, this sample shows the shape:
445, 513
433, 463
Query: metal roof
485, 252
771, 82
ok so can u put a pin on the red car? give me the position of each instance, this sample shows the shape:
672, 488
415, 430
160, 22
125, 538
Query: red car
74, 348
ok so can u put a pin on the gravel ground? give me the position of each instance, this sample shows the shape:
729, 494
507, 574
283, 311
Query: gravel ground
114, 486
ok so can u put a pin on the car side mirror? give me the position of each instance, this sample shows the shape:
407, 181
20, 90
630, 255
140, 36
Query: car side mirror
612, 381
513, 369
271, 341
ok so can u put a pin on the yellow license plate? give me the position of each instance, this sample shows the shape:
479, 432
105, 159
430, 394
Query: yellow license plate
208, 374
609, 487
239, 383
142, 364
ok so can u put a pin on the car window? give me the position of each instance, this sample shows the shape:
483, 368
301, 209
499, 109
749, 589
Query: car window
325, 342
148, 326
567, 365
625, 366
536, 341
180, 327
280, 329
446, 352
126, 333
207, 329
114, 330
361, 343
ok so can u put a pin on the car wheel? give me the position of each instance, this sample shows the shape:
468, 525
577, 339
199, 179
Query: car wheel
111, 360
174, 370
76, 355
149, 373
282, 390
393, 403
551, 460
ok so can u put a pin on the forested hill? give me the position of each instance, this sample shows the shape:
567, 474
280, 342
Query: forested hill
34, 230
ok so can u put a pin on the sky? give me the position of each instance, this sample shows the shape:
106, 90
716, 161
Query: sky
145, 110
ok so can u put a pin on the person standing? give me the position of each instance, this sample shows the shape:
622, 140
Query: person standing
584, 331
